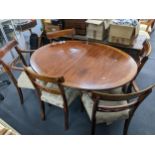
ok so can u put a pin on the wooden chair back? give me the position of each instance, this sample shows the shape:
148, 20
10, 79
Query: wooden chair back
61, 33
7, 48
8, 67
134, 100
145, 55
38, 81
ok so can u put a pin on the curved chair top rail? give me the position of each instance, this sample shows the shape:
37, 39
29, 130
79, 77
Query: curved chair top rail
147, 48
40, 81
8, 47
61, 33
119, 97
139, 96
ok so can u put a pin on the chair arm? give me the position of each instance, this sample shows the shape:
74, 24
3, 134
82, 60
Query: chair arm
135, 87
17, 68
26, 51
13, 64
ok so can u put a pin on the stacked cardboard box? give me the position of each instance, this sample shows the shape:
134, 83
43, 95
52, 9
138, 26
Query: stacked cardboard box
123, 34
97, 29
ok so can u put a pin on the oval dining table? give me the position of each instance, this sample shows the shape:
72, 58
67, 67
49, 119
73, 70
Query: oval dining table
86, 66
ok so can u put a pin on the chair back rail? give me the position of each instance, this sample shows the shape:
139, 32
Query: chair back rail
136, 98
61, 33
8, 47
133, 101
36, 78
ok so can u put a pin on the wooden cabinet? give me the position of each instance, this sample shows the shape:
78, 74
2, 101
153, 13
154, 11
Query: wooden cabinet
78, 24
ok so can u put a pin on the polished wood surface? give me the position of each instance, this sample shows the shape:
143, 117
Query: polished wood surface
85, 66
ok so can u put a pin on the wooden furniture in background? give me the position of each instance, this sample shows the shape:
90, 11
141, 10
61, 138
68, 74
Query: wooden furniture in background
147, 25
51, 90
106, 108
23, 81
61, 33
85, 66
78, 24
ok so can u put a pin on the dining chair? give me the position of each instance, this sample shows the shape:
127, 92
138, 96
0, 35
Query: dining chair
143, 58
146, 27
107, 108
52, 91
144, 55
16, 65
61, 33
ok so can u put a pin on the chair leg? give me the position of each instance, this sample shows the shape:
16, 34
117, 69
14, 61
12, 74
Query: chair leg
93, 127
66, 121
81, 104
20, 95
42, 105
126, 126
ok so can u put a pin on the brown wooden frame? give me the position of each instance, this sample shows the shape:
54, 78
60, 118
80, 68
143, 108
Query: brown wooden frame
137, 97
143, 58
145, 55
13, 65
61, 33
34, 77
149, 23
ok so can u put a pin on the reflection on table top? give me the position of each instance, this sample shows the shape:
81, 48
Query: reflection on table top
85, 66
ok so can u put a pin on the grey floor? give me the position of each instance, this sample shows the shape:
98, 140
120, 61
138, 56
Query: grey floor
26, 119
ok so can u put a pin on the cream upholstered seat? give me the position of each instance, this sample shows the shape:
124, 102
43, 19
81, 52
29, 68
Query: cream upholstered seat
104, 117
141, 32
57, 100
145, 30
143, 27
24, 81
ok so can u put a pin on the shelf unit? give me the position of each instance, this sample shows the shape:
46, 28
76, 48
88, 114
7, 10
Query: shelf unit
7, 33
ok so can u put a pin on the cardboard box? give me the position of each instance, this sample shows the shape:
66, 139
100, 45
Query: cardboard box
122, 34
96, 29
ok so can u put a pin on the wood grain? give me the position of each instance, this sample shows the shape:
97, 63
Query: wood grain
85, 66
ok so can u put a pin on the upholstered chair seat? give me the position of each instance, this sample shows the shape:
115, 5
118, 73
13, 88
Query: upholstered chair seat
143, 27
71, 94
141, 32
24, 81
104, 117
57, 100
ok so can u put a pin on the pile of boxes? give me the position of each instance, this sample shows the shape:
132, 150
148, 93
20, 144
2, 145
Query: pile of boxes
105, 29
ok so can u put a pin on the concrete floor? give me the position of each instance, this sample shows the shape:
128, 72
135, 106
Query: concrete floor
26, 119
